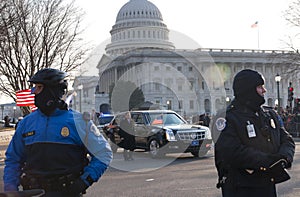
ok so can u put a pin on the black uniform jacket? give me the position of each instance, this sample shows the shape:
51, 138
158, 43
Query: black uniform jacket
127, 133
243, 156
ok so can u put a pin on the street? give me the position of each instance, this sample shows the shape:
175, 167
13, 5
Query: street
174, 175
185, 176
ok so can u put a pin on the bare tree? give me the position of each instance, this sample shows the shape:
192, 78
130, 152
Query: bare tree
292, 16
37, 34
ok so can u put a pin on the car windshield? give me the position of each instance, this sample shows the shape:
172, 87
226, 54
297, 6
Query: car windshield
105, 119
165, 119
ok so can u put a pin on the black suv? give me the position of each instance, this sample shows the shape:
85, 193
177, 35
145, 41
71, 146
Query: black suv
161, 132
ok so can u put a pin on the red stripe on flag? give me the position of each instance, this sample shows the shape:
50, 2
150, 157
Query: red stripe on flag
33, 108
254, 24
25, 98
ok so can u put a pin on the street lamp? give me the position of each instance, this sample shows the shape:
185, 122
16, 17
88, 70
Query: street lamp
14, 120
80, 89
2, 109
277, 79
168, 104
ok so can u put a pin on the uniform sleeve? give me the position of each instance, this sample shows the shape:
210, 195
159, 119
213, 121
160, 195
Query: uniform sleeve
15, 157
100, 151
230, 151
287, 145
98, 148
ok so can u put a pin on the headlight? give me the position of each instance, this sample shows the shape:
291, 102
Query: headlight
208, 134
170, 135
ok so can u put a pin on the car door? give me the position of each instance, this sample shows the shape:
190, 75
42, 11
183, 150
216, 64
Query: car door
140, 129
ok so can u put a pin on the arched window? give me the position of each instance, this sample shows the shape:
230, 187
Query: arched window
207, 105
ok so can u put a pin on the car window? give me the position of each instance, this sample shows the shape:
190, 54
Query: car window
156, 119
165, 119
138, 118
172, 119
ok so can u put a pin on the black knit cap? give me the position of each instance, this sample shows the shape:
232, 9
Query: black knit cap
244, 87
245, 81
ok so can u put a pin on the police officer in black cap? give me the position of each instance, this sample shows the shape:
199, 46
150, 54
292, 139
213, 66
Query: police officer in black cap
253, 150
50, 147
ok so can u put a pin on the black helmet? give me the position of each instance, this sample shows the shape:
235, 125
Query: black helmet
49, 77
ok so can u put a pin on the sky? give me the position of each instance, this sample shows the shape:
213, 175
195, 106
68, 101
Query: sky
202, 23
210, 24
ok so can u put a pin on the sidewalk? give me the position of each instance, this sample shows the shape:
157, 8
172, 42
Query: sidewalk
5, 137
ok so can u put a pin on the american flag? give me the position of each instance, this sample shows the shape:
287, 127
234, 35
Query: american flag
254, 24
25, 98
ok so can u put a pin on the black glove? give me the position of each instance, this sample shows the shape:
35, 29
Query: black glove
271, 159
77, 187
281, 163
278, 172
287, 164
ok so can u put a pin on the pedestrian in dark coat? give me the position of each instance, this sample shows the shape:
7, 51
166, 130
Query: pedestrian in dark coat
253, 150
127, 135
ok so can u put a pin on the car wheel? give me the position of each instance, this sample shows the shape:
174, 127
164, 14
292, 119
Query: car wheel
154, 148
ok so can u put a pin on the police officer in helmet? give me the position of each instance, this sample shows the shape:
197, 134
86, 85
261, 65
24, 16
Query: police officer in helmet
253, 149
50, 146
52, 85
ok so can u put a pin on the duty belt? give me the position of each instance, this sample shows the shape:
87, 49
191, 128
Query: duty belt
57, 183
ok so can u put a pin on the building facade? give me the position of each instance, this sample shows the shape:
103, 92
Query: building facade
83, 96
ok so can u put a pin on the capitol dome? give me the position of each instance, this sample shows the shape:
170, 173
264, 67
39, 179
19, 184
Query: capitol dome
138, 24
138, 9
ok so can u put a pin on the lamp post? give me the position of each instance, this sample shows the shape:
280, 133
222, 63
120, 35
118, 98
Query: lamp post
2, 109
277, 79
14, 120
80, 90
168, 104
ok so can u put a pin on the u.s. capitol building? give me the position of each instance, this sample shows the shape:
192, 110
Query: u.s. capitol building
189, 81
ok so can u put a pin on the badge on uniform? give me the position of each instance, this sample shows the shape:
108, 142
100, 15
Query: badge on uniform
65, 132
251, 130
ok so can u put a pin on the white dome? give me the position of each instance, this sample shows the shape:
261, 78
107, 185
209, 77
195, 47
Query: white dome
138, 9
138, 24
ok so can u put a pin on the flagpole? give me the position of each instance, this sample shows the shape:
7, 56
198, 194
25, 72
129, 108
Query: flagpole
258, 37
255, 25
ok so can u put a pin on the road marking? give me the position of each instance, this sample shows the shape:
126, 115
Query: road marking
149, 180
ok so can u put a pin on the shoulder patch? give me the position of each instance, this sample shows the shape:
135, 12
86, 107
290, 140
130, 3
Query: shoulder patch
95, 130
220, 123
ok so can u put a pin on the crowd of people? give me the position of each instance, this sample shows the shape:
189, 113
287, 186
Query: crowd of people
291, 119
